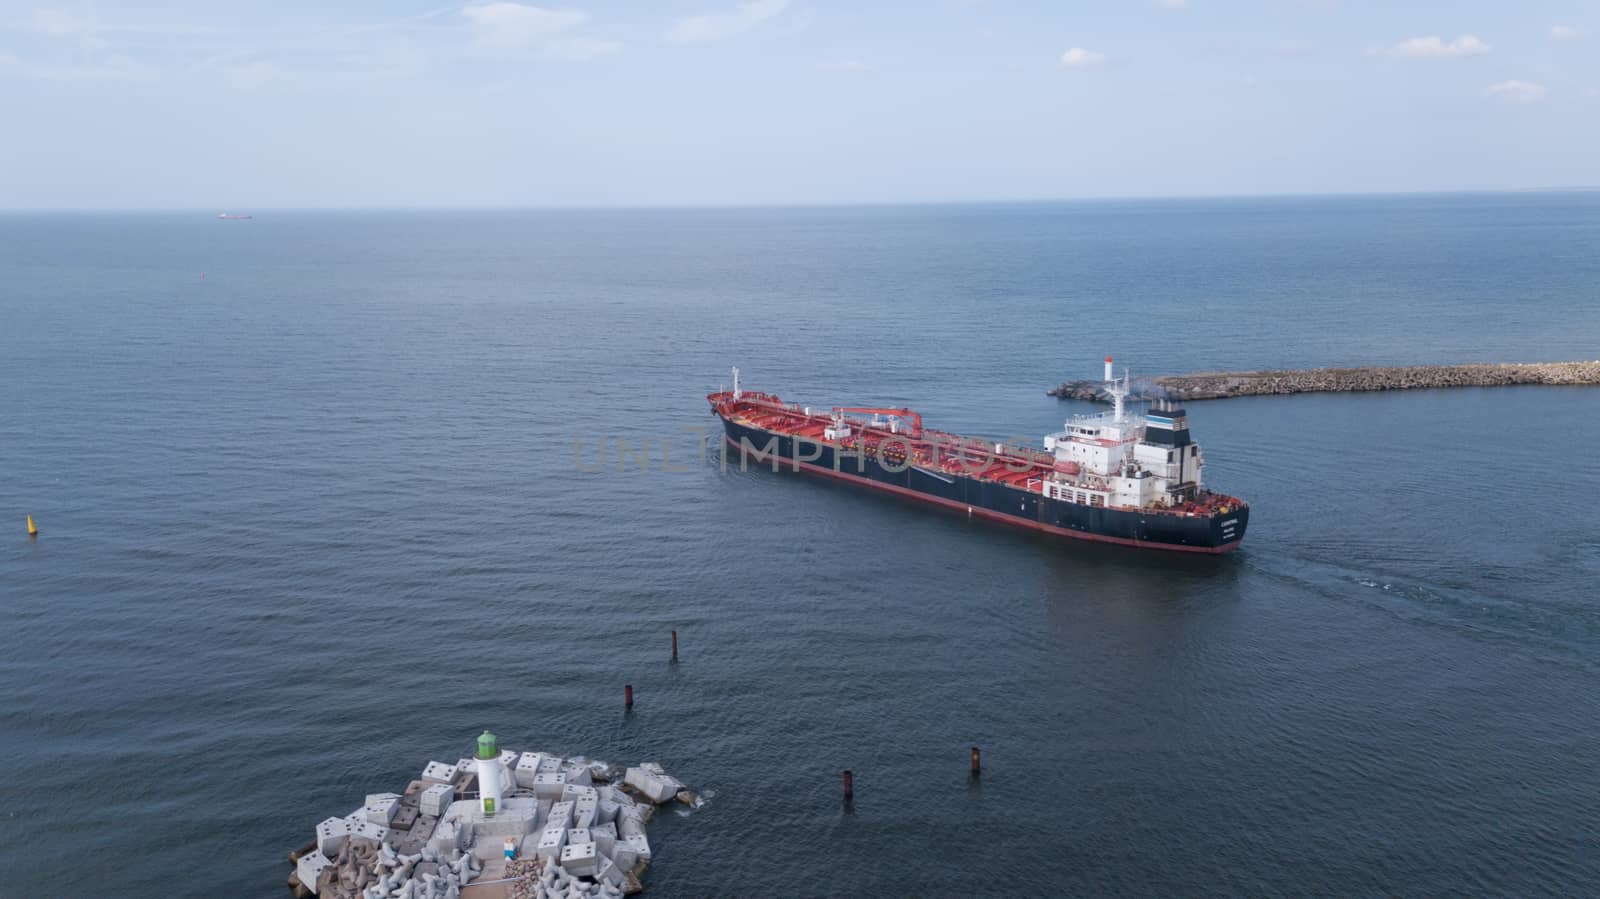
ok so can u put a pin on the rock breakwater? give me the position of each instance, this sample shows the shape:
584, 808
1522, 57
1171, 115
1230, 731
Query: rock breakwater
1221, 384
500, 825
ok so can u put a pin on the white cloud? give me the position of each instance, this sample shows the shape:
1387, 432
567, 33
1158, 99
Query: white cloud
715, 26
1520, 92
1079, 58
842, 65
516, 24
1172, 4
252, 75
58, 23
1564, 33
1434, 47
115, 68
581, 48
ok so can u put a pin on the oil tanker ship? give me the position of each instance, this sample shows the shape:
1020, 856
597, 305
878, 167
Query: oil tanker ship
1114, 477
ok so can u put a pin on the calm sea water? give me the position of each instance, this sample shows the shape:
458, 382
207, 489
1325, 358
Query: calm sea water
311, 516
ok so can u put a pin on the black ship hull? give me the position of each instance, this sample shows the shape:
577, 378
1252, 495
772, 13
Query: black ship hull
1151, 529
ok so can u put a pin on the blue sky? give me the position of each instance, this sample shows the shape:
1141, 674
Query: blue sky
237, 105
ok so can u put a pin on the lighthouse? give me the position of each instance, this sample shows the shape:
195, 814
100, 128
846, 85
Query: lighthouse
490, 780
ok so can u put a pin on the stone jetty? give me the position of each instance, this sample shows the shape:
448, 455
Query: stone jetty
1222, 384
500, 825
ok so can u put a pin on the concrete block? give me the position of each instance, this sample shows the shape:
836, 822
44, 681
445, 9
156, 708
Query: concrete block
570, 790
652, 786
440, 772
527, 767
331, 836
624, 855
523, 806
630, 821
550, 763
579, 859
435, 800
493, 830
404, 816
640, 844
584, 811
462, 810
606, 812
605, 838
577, 773
560, 813
551, 842
309, 868
422, 831
578, 835
549, 784
446, 839
370, 831
656, 769
381, 808
610, 873
407, 843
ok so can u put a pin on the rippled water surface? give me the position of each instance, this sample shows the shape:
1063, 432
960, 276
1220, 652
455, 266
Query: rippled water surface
312, 516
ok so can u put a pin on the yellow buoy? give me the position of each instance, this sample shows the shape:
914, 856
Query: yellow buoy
33, 531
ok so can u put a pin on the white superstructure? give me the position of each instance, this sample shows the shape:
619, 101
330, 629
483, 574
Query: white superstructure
1119, 460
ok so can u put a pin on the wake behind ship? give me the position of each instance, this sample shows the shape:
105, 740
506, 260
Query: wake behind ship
1114, 477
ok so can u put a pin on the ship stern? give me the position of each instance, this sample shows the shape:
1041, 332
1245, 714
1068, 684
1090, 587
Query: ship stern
1228, 527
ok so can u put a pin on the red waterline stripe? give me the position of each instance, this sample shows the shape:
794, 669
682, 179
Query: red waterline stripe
995, 516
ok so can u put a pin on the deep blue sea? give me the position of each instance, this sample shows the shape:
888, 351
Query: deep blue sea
312, 516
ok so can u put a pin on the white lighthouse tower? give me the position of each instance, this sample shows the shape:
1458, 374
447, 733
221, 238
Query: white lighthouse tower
491, 783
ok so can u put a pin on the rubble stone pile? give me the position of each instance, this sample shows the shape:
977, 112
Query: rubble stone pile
1218, 385
563, 829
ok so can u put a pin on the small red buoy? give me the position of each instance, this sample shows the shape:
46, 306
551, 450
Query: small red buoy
849, 785
976, 767
627, 696
674, 646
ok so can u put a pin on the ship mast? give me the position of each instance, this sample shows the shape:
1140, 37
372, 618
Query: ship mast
736, 391
1117, 390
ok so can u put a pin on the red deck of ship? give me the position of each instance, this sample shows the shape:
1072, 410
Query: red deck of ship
1021, 467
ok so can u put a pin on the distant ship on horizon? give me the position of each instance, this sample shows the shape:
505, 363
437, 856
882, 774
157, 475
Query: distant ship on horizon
231, 217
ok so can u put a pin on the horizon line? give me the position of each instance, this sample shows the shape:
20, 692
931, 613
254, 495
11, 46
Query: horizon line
791, 204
